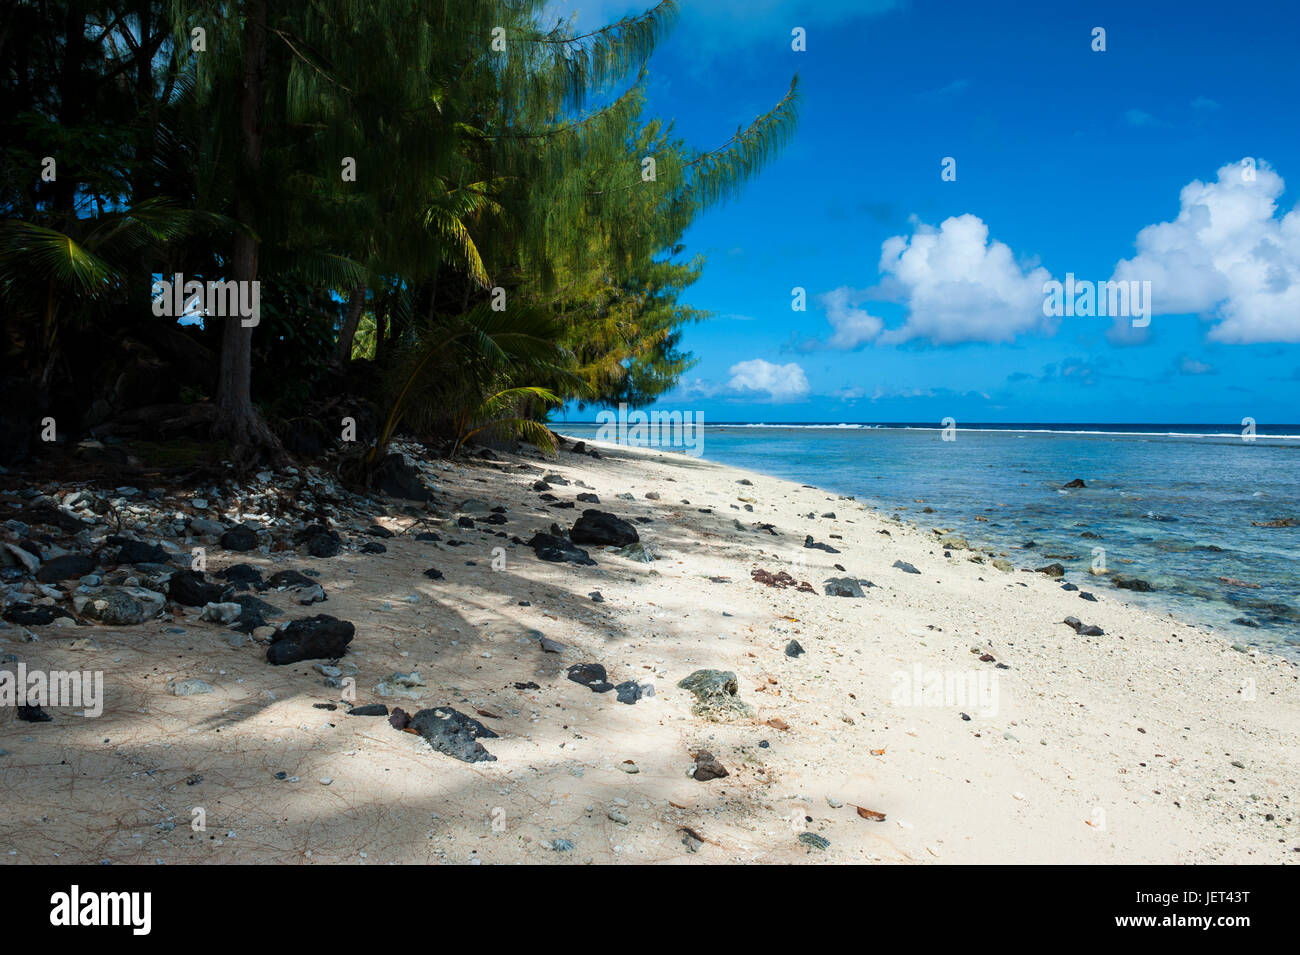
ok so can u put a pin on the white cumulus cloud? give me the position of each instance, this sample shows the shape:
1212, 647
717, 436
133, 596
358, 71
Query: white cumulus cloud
854, 326
781, 382
1228, 256
960, 286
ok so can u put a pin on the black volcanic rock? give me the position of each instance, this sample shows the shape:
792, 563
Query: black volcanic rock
241, 538
453, 733
592, 676
138, 552
557, 549
321, 637
397, 478
1132, 583
290, 578
320, 541
191, 589
243, 576
64, 568
603, 529
811, 544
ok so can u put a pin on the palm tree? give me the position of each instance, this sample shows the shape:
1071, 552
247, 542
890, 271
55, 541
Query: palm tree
54, 277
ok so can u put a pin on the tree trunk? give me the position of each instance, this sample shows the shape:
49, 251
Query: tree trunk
71, 110
356, 303
238, 421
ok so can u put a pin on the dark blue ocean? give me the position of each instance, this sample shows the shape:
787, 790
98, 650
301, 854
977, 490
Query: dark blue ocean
1177, 505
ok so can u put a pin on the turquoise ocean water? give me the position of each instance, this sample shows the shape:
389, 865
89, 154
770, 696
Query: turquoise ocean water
1177, 505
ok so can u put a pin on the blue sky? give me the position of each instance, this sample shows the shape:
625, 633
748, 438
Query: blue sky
1173, 157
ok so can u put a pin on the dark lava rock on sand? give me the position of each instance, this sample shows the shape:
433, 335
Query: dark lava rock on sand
845, 587
321, 637
707, 767
603, 528
453, 733
243, 576
592, 676
254, 614
557, 549
65, 568
320, 541
631, 691
189, 588
33, 615
398, 479
241, 538
290, 578
817, 545
138, 552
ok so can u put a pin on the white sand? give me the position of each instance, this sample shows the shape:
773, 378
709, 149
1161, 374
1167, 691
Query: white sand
1156, 743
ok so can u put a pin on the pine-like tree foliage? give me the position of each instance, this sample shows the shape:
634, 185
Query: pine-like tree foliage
498, 156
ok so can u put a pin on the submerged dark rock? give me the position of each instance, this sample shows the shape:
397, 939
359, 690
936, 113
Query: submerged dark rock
1132, 583
1077, 482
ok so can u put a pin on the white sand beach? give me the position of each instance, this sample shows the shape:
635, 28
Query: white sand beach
1156, 742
